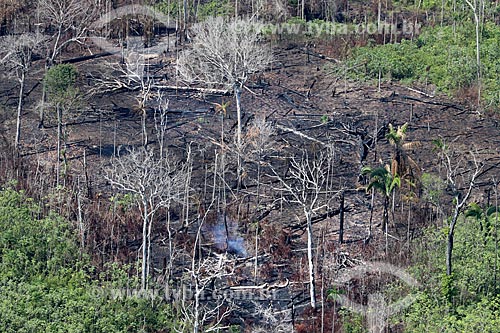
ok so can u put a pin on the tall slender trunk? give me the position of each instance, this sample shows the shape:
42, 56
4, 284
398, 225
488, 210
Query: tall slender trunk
386, 212
56, 44
148, 261
257, 223
197, 292
20, 110
371, 216
341, 227
256, 261
449, 245
144, 129
310, 255
495, 266
59, 129
477, 20
237, 94
41, 111
449, 252
81, 225
185, 19
144, 244
478, 61
170, 246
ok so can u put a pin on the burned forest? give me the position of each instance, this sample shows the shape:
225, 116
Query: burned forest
249, 166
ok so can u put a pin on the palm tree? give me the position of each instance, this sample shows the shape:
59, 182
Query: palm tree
401, 163
383, 180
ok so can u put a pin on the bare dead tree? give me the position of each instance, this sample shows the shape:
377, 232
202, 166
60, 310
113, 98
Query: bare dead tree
154, 182
204, 274
70, 21
460, 174
224, 54
305, 185
272, 321
258, 143
18, 54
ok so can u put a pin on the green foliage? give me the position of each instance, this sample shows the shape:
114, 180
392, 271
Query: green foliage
443, 56
215, 8
296, 20
234, 329
382, 180
123, 201
468, 301
448, 290
32, 247
60, 80
351, 322
334, 293
390, 61
170, 8
202, 11
396, 136
46, 284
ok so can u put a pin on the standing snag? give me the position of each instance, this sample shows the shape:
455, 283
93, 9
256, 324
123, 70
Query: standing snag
307, 183
18, 55
224, 54
155, 182
69, 21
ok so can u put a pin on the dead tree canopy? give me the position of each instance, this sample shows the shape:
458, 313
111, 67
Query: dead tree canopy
224, 54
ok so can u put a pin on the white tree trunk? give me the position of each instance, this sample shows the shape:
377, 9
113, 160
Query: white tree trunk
237, 94
310, 257
148, 250
19, 110
144, 244
144, 128
59, 129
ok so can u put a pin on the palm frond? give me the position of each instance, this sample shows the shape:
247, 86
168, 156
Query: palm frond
411, 145
474, 210
379, 186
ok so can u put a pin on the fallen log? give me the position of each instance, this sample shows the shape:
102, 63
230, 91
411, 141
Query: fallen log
318, 218
193, 89
267, 286
88, 57
420, 100
291, 130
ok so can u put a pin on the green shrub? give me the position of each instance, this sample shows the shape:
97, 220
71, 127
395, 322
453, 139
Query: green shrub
60, 80
202, 10
45, 284
442, 56
468, 300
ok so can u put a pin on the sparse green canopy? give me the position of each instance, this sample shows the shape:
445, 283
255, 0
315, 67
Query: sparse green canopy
60, 80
